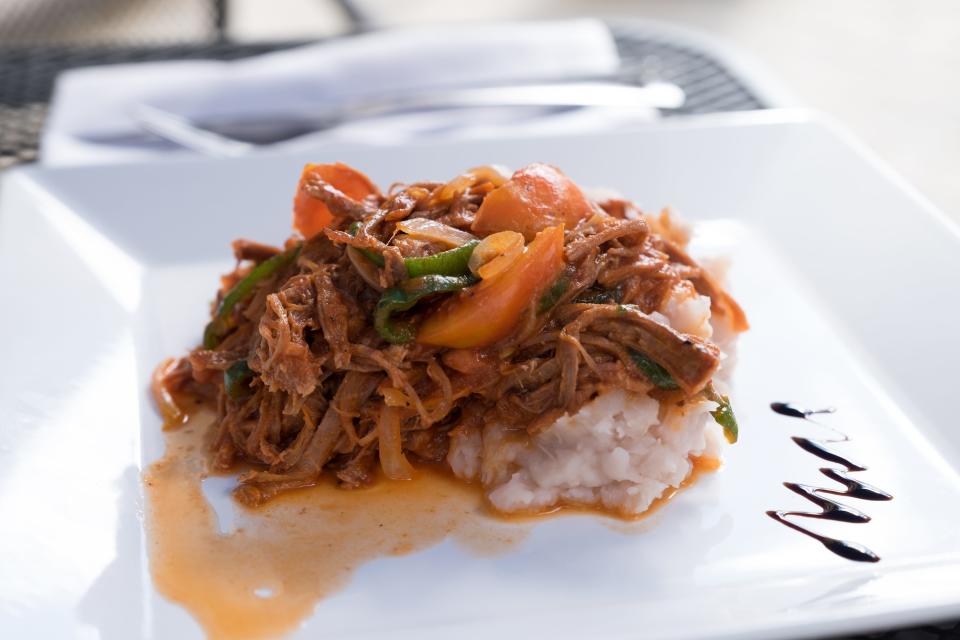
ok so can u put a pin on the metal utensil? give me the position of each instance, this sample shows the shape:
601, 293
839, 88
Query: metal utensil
184, 133
240, 137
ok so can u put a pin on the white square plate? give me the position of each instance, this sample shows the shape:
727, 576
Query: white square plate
850, 281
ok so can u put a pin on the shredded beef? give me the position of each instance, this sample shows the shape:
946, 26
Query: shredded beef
321, 373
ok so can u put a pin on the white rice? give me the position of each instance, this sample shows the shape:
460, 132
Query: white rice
616, 452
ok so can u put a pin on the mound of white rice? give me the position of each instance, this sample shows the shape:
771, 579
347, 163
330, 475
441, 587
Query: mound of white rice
619, 451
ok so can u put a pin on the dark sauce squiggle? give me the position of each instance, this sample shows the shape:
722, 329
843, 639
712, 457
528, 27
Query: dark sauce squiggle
829, 509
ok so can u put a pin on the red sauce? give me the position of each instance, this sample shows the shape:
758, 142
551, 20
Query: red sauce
267, 575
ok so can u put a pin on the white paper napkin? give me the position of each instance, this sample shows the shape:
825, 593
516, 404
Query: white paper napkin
97, 103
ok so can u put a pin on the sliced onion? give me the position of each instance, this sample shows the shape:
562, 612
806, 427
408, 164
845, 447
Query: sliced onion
393, 397
494, 174
367, 270
169, 410
433, 231
495, 253
449, 191
392, 460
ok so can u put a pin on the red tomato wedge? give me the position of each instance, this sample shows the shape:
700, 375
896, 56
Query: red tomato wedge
487, 312
310, 215
536, 197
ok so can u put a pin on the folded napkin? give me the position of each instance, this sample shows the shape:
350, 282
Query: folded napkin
91, 115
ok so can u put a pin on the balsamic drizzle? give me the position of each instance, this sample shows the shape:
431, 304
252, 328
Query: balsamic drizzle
829, 509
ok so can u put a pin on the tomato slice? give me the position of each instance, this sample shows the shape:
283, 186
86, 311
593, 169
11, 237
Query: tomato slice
536, 197
487, 312
310, 215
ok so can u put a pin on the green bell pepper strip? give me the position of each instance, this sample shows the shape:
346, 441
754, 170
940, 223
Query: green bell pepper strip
557, 290
217, 328
657, 374
600, 296
372, 256
407, 294
452, 262
723, 415
552, 296
236, 379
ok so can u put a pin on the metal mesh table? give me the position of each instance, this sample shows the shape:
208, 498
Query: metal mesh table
27, 75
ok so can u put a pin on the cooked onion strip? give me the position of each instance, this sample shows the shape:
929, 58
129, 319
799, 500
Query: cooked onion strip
493, 174
433, 231
169, 410
366, 269
394, 397
392, 460
495, 253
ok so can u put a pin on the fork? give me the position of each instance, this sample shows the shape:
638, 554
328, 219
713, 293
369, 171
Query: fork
226, 139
